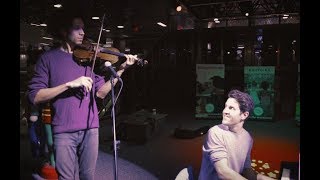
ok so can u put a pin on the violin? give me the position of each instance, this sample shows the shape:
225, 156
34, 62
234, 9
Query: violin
86, 53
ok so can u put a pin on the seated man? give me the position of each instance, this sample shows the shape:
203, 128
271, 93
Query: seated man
227, 147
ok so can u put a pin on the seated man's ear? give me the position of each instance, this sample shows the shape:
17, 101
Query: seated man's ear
244, 115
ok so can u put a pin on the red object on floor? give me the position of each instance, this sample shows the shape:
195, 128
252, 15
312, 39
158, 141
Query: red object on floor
48, 172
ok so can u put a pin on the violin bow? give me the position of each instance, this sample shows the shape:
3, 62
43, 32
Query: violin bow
96, 50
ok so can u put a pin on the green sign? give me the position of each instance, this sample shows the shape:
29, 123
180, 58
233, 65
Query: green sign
210, 91
259, 83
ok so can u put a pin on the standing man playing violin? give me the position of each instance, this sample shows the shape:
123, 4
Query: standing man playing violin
68, 86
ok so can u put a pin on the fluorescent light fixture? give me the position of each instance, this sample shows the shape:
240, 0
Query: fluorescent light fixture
120, 27
33, 24
286, 15
106, 30
95, 17
161, 24
57, 5
43, 24
45, 44
48, 38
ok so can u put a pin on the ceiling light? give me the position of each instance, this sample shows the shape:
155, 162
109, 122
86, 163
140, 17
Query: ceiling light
33, 24
120, 27
216, 19
45, 44
246, 7
179, 8
209, 46
161, 24
43, 24
23, 56
106, 30
95, 17
48, 38
57, 5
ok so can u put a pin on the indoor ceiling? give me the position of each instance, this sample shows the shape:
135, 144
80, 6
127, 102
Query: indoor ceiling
208, 9
140, 17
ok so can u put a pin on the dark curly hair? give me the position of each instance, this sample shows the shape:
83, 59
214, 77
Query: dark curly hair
245, 100
60, 22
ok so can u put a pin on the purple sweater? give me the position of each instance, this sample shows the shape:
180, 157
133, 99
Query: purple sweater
71, 110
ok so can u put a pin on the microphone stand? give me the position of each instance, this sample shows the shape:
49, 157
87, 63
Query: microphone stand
113, 115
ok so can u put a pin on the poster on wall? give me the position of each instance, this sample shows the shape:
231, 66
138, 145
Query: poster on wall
259, 83
297, 113
209, 91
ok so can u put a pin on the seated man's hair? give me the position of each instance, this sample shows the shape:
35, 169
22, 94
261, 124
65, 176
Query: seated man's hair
244, 99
